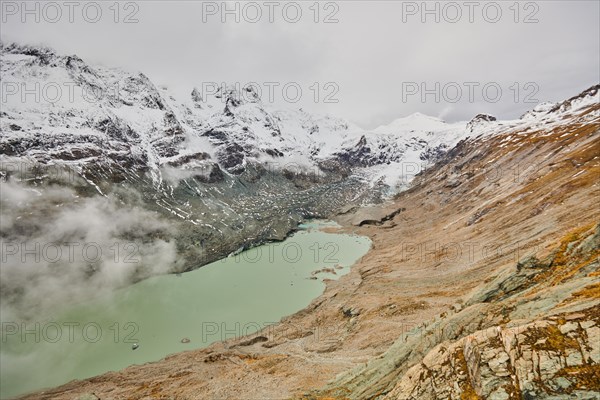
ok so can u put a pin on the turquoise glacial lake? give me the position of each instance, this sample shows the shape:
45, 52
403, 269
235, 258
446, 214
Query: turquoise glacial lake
167, 314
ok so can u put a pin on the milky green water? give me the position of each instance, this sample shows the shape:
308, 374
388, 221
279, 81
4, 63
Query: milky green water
228, 298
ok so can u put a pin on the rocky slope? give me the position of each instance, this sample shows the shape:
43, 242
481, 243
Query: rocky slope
482, 283
531, 332
529, 328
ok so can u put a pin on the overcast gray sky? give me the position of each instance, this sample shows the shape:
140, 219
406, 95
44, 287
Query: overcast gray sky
375, 60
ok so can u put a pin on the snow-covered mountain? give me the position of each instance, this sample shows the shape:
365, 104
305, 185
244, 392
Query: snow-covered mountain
57, 108
224, 165
60, 109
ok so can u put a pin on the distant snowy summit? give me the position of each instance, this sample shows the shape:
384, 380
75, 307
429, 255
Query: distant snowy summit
415, 122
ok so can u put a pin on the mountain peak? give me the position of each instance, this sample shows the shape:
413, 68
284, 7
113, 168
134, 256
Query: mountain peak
418, 115
413, 122
479, 121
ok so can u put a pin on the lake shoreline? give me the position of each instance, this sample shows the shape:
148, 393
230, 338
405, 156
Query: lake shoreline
237, 308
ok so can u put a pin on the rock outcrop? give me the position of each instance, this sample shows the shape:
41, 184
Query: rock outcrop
541, 336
